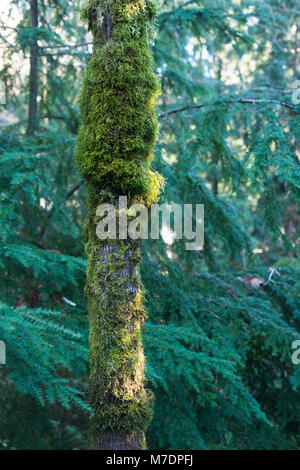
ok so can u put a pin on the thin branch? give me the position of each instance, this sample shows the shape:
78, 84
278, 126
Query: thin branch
52, 212
220, 102
51, 54
262, 101
74, 189
9, 27
46, 116
66, 45
271, 89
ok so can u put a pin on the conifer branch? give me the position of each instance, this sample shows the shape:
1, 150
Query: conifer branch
220, 102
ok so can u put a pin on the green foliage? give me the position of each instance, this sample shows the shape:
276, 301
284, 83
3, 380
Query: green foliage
37, 346
218, 350
45, 337
28, 36
27, 425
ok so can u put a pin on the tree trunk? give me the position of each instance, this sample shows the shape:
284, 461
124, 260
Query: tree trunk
113, 154
33, 77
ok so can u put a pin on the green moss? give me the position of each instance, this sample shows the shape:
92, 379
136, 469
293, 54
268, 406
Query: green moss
117, 316
120, 127
114, 150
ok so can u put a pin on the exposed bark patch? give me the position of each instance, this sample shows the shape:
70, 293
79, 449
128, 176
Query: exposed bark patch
111, 440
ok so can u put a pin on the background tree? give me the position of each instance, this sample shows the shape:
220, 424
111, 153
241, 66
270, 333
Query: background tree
33, 78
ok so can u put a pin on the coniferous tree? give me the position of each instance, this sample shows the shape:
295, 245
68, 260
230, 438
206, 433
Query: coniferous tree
33, 78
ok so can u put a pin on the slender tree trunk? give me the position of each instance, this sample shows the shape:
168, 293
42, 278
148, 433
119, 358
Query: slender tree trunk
33, 77
113, 154
296, 55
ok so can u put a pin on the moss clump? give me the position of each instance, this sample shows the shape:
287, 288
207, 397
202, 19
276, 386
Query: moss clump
117, 316
120, 127
113, 153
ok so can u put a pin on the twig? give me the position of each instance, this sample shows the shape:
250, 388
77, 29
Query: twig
50, 214
272, 272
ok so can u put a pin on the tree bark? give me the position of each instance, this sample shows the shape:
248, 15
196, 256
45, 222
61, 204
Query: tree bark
33, 77
113, 153
111, 440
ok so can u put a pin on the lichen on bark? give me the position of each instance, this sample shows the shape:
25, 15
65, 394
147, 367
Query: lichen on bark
113, 153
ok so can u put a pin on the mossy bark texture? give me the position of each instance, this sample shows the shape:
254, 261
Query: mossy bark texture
113, 153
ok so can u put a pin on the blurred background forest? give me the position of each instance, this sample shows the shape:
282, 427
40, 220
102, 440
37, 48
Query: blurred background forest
221, 321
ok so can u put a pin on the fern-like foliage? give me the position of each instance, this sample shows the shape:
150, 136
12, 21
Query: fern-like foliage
46, 343
222, 320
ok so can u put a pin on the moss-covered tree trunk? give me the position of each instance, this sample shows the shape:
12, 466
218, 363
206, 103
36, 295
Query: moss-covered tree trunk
113, 153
